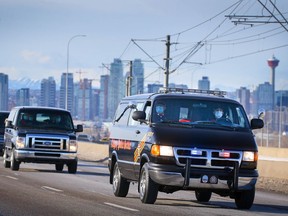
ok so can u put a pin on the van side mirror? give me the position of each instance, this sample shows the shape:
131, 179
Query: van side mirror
139, 116
257, 123
79, 128
8, 124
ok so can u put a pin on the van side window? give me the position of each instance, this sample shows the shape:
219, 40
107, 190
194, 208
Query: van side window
148, 110
132, 122
124, 119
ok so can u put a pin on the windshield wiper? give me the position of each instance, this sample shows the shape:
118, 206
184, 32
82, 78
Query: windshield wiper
173, 123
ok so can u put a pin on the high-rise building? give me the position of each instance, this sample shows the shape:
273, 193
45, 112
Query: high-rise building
263, 97
67, 102
48, 92
3, 91
281, 98
83, 99
103, 97
95, 104
153, 88
116, 86
243, 96
180, 86
204, 83
23, 97
138, 77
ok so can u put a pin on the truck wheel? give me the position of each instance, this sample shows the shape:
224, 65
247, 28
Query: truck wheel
6, 163
72, 167
148, 189
120, 184
59, 167
203, 195
245, 199
15, 165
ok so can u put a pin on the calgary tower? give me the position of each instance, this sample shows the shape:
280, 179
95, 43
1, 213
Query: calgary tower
273, 63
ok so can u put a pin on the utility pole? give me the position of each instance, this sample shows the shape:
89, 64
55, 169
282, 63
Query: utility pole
129, 81
166, 83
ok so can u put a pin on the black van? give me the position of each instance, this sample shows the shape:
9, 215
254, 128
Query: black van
184, 140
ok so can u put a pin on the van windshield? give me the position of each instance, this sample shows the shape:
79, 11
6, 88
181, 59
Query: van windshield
45, 119
199, 112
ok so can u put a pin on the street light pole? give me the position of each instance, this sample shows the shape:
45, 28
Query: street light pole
68, 45
280, 121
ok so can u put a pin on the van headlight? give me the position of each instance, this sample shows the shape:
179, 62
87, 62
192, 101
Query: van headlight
73, 145
20, 142
250, 156
159, 150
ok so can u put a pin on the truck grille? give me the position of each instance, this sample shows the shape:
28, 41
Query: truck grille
47, 142
207, 158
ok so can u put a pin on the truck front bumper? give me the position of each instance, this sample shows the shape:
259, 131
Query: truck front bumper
196, 178
44, 156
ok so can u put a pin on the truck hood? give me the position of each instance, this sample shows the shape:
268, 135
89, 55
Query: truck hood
211, 138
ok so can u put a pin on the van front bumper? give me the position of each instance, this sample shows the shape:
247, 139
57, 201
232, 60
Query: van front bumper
44, 156
227, 179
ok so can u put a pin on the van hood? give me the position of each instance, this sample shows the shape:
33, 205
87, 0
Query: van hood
25, 131
207, 138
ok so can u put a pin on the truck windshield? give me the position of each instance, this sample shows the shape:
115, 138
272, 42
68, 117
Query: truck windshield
199, 112
45, 119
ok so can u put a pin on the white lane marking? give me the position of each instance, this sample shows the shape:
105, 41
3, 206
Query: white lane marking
51, 189
12, 177
121, 207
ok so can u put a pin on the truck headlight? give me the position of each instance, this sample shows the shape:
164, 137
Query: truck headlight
159, 150
250, 156
73, 145
20, 142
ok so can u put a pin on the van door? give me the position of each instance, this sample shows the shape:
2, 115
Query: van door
140, 130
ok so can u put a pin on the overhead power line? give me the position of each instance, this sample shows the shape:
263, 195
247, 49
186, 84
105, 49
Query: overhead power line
147, 54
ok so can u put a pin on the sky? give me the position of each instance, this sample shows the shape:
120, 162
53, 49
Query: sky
206, 40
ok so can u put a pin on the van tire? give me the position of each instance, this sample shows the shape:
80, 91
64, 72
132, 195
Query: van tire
245, 199
7, 164
15, 165
59, 167
203, 195
120, 184
148, 189
72, 167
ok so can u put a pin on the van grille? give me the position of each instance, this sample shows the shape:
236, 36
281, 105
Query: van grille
207, 158
47, 142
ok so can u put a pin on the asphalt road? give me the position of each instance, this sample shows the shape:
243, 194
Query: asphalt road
37, 189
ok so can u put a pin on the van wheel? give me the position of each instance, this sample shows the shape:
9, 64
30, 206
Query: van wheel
72, 167
148, 189
120, 184
7, 164
15, 165
245, 199
203, 195
59, 167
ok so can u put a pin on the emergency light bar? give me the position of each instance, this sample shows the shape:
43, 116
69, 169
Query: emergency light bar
199, 91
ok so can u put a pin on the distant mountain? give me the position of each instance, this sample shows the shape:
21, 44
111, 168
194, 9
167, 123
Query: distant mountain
26, 83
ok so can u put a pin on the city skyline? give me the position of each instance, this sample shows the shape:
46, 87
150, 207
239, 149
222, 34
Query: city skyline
35, 35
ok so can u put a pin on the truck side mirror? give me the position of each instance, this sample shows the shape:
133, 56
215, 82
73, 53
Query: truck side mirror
139, 116
257, 123
79, 128
8, 124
